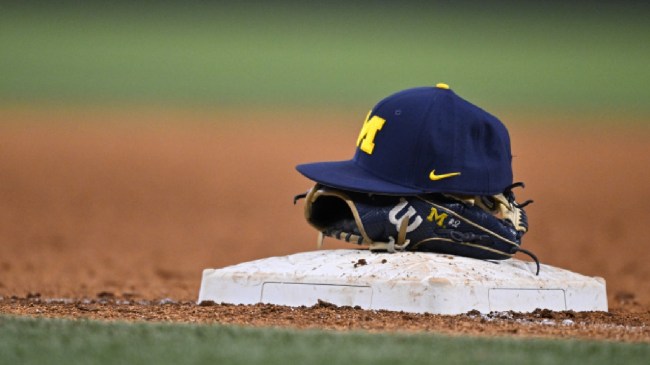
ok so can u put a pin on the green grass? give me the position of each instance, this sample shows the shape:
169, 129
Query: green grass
550, 55
47, 341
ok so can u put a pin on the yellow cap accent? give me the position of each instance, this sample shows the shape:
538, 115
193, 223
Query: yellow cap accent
441, 85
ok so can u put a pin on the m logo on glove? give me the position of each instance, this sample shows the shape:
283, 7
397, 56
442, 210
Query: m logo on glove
438, 218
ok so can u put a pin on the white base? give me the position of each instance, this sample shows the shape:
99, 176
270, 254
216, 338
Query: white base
406, 281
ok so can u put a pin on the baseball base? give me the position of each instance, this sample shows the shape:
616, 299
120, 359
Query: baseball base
406, 281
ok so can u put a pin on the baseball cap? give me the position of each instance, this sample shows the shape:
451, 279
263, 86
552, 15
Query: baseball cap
423, 140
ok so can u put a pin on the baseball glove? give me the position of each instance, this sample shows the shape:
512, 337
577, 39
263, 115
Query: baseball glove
482, 227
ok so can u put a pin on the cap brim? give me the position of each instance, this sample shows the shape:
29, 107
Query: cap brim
347, 175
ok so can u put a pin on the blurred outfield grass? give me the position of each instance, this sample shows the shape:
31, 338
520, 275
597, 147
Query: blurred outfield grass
578, 57
47, 341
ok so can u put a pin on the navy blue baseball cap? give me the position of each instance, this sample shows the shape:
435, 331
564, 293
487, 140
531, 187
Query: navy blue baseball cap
423, 140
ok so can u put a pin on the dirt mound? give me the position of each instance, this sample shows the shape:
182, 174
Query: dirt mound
619, 324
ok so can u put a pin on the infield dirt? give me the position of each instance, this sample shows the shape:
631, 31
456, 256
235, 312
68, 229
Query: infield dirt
103, 214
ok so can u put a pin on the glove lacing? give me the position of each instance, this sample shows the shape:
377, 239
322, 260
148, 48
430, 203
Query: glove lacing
531, 255
299, 196
393, 245
523, 220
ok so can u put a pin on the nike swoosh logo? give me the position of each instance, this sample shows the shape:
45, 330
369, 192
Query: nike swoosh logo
435, 177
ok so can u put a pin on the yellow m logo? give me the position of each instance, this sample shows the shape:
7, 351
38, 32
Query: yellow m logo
439, 218
366, 140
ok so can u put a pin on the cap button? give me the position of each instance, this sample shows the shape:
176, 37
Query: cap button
441, 85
